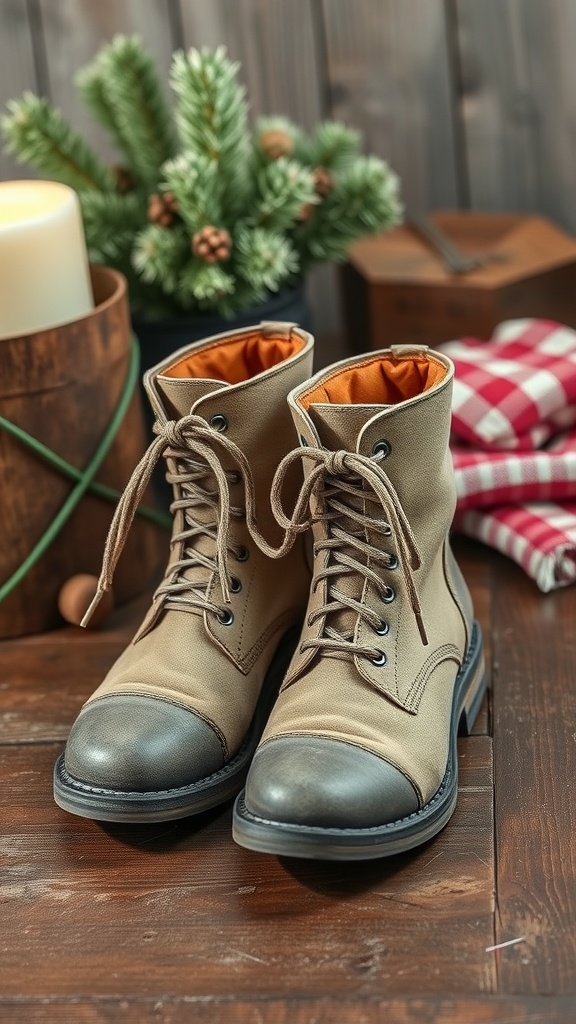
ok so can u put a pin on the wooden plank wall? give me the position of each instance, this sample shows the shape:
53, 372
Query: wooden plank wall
473, 102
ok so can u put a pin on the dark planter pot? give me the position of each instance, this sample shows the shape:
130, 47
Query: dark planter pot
159, 338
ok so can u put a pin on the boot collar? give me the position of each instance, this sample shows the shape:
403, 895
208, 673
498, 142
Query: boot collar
181, 395
337, 425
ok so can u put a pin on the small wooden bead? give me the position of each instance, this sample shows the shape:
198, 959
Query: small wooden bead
75, 597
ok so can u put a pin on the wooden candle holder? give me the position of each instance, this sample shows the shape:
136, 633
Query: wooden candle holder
61, 386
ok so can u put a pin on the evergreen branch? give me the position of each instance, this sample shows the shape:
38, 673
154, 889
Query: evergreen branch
264, 189
159, 255
264, 259
364, 200
283, 188
111, 220
333, 146
141, 122
203, 284
37, 134
91, 86
211, 115
118, 255
195, 182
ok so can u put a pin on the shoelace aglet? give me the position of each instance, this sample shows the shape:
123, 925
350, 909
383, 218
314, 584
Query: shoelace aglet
415, 560
421, 627
92, 606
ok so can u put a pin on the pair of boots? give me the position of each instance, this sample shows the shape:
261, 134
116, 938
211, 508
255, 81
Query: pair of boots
327, 655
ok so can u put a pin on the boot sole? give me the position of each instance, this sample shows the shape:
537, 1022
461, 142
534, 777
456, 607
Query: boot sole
164, 805
288, 840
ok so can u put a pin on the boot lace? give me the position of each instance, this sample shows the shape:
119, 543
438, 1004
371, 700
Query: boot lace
191, 443
352, 495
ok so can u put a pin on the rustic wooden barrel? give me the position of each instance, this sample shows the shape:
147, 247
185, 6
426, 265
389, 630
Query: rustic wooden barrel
62, 386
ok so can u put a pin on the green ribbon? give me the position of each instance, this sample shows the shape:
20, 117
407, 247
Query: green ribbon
84, 478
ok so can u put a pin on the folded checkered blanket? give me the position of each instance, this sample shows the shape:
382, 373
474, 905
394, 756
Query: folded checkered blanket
516, 391
486, 479
514, 445
541, 537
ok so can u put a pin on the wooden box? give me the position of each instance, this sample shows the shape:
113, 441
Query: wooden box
396, 290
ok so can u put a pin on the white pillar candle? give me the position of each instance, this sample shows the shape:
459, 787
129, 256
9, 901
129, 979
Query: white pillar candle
44, 277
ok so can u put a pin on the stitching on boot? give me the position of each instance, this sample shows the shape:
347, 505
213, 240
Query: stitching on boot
287, 618
245, 615
372, 829
245, 664
453, 588
448, 652
391, 825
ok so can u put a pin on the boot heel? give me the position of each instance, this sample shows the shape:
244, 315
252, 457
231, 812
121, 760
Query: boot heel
475, 691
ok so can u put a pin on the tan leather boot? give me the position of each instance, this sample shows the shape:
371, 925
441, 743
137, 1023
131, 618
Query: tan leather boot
359, 758
172, 728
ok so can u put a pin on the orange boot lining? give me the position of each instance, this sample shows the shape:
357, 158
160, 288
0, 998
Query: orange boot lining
237, 359
380, 381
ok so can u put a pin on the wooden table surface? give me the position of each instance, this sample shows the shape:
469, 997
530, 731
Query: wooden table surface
173, 922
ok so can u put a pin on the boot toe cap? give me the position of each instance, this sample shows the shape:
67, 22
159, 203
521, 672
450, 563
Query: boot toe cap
141, 744
325, 783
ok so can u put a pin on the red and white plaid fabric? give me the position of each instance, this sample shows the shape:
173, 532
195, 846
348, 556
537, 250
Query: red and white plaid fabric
540, 537
514, 454
517, 391
484, 479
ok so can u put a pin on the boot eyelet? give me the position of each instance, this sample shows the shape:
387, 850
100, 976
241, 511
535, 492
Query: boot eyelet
234, 477
382, 448
388, 595
242, 554
225, 617
235, 585
218, 422
382, 628
393, 563
380, 660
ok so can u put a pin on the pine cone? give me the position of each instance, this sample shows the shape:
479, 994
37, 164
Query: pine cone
276, 143
162, 209
212, 244
323, 182
123, 178
305, 212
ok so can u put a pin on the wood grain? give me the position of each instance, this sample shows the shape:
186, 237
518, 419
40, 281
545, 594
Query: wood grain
62, 386
388, 69
518, 96
164, 921
422, 1010
276, 45
393, 84
42, 687
72, 33
397, 290
17, 70
535, 765
172, 923
178, 908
